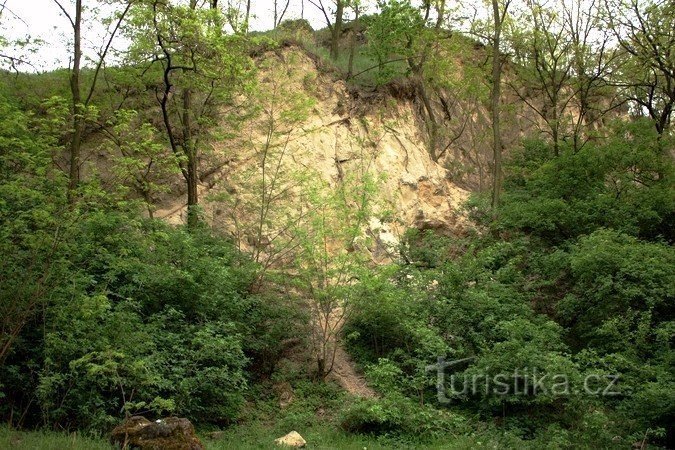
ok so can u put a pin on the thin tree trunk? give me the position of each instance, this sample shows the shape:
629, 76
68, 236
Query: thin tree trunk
80, 102
556, 138
496, 93
432, 125
190, 151
555, 129
352, 43
337, 30
78, 113
279, 15
417, 68
248, 14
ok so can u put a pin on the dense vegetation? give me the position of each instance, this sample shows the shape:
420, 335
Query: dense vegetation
574, 277
556, 303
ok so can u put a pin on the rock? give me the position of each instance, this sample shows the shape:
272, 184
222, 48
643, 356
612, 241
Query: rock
172, 433
285, 393
292, 439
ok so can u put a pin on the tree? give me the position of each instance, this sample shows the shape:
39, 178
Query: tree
263, 211
357, 7
328, 261
237, 15
34, 218
334, 26
393, 36
279, 12
592, 61
402, 32
10, 54
499, 12
542, 53
201, 70
140, 161
82, 100
490, 32
418, 65
646, 33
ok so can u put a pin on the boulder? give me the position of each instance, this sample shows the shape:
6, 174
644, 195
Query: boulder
172, 433
292, 439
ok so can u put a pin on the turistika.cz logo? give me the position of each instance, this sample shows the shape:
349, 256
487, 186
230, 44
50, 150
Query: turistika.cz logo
519, 382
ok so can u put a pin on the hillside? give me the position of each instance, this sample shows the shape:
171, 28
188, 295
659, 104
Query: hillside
339, 139
414, 228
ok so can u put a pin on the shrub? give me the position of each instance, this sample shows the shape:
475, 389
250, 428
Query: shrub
397, 415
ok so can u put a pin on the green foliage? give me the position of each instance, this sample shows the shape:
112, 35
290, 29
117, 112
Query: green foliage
390, 33
575, 279
637, 277
104, 313
396, 415
625, 183
33, 215
140, 161
152, 319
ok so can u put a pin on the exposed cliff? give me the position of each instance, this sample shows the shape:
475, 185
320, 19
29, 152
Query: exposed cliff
308, 123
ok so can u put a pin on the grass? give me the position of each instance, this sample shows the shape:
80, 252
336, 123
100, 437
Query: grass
258, 436
323, 439
262, 422
364, 67
238, 438
47, 440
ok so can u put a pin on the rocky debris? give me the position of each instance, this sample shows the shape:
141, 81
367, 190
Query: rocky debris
172, 433
292, 439
284, 392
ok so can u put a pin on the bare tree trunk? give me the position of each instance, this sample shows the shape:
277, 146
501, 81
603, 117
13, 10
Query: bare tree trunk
279, 15
190, 150
352, 42
495, 100
337, 30
432, 125
78, 113
80, 102
192, 165
555, 131
417, 68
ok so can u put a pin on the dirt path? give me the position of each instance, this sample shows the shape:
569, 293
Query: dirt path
345, 374
327, 328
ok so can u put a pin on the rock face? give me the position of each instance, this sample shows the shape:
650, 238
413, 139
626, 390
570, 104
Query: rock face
338, 143
172, 433
292, 439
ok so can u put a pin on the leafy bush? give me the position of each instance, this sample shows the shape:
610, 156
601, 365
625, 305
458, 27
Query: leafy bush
397, 415
625, 183
151, 319
146, 319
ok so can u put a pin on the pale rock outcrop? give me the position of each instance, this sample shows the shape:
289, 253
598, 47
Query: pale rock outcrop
340, 138
292, 439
